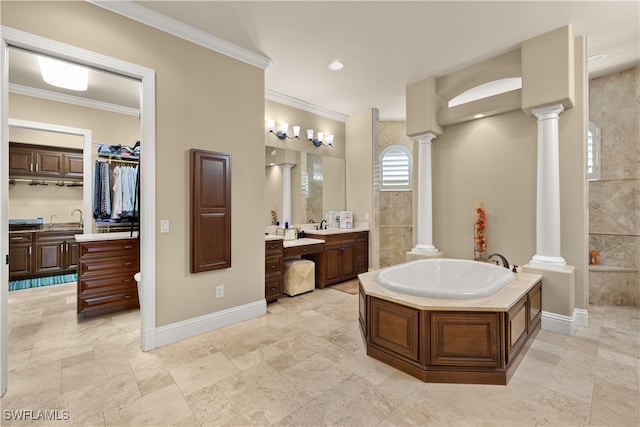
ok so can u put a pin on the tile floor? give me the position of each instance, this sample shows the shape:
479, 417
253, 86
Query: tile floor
302, 364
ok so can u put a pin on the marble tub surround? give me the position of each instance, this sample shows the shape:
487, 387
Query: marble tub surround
614, 199
500, 301
303, 363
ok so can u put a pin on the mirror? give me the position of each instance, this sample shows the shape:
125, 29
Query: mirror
317, 185
593, 152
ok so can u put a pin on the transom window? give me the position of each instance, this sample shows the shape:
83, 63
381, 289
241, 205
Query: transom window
395, 167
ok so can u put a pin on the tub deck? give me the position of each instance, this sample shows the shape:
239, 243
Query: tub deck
475, 341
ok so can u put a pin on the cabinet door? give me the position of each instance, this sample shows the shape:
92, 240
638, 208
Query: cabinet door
72, 165
49, 257
333, 259
20, 260
48, 163
20, 162
347, 262
71, 255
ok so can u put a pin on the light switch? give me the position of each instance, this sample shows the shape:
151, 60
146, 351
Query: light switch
164, 225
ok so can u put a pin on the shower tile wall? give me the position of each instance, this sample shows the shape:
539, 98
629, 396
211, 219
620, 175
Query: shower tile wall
614, 200
396, 211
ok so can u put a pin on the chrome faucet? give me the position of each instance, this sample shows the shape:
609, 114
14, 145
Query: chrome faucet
80, 212
51, 220
505, 263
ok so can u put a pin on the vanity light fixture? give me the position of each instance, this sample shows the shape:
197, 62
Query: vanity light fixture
63, 74
319, 140
282, 133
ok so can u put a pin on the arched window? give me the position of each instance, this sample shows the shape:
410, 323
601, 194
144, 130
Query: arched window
395, 169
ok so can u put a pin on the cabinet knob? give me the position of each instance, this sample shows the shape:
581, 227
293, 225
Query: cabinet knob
127, 297
127, 263
127, 247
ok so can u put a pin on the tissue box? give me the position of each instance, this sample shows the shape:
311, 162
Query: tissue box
346, 219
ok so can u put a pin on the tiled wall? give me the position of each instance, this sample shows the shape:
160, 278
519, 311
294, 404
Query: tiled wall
396, 211
614, 200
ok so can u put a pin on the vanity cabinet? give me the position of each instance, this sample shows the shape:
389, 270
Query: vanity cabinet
273, 270
41, 161
342, 258
42, 253
105, 276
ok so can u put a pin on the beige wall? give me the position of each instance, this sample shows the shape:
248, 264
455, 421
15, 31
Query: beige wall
27, 201
204, 100
614, 221
362, 133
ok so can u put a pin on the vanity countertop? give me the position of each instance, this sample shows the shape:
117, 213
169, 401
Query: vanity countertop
337, 231
105, 236
301, 242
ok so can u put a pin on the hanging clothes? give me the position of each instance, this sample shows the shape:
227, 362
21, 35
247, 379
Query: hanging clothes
102, 190
116, 204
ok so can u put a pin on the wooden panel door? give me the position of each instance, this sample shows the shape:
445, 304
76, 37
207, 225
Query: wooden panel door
49, 257
20, 161
210, 189
48, 163
72, 165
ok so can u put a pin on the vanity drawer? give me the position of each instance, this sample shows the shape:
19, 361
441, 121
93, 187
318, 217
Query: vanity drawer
273, 289
273, 248
110, 248
303, 250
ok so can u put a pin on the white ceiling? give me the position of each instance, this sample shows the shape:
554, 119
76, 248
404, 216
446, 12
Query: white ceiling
387, 44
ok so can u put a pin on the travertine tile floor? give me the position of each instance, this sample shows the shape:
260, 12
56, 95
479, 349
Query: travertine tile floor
302, 364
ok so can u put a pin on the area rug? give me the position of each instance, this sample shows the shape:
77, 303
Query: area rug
42, 281
350, 287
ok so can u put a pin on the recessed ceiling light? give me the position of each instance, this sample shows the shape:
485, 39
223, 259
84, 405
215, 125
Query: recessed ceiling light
336, 65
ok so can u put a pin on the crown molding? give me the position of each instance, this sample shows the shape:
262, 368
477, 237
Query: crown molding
70, 99
161, 22
305, 106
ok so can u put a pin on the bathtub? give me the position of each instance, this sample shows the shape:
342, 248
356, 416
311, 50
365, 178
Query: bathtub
445, 278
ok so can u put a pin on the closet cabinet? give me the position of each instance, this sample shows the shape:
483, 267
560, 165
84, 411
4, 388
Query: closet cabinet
41, 161
105, 276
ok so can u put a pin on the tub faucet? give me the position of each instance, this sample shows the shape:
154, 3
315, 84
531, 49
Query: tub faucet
505, 263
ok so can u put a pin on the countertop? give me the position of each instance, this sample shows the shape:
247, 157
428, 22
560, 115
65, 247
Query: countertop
105, 236
500, 301
329, 231
301, 242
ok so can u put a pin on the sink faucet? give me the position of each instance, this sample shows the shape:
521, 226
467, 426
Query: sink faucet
80, 212
505, 263
323, 224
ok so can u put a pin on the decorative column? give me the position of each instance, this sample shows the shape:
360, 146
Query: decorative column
425, 207
548, 190
286, 193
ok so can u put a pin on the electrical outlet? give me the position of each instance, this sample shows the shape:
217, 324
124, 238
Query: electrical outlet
219, 291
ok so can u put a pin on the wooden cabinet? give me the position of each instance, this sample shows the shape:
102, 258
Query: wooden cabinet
54, 252
20, 255
42, 253
345, 256
31, 160
105, 276
273, 270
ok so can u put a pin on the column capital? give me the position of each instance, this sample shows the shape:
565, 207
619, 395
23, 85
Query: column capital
548, 111
425, 137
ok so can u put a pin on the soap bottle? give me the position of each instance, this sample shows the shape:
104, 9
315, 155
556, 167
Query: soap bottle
593, 260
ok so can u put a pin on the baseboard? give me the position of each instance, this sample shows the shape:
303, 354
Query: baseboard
210, 322
559, 323
582, 317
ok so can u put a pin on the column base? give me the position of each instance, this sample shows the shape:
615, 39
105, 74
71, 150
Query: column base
416, 253
543, 261
558, 296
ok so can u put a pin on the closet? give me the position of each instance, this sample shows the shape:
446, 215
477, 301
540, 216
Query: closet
116, 188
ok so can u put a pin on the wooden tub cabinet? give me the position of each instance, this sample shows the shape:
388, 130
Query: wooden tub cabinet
466, 345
